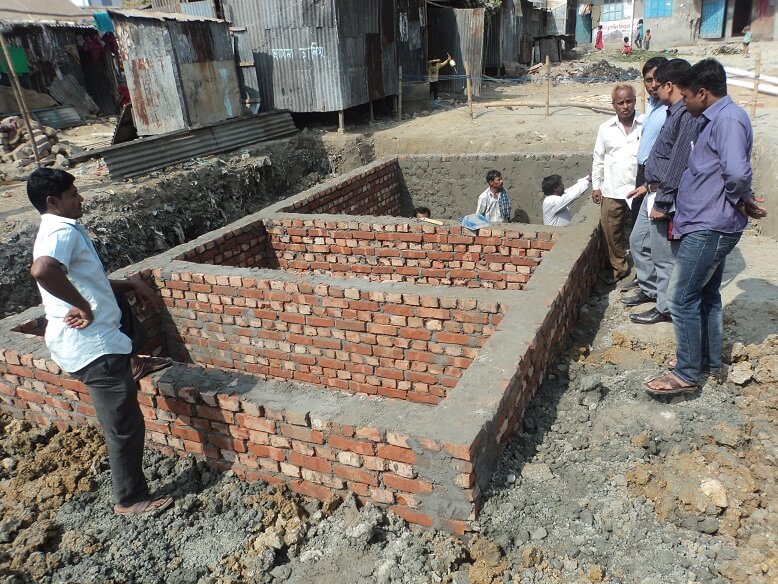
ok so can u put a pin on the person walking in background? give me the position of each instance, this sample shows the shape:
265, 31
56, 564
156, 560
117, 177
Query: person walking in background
713, 205
598, 38
746, 40
614, 166
92, 333
639, 34
494, 203
433, 72
647, 40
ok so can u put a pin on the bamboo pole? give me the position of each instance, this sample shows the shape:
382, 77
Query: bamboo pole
17, 89
548, 85
400, 97
757, 71
469, 90
341, 122
642, 107
595, 108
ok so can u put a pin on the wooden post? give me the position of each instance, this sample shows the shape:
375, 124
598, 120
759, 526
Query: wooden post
642, 107
17, 89
469, 89
400, 96
341, 122
548, 85
757, 71
372, 113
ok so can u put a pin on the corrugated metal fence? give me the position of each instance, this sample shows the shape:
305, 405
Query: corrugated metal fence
459, 32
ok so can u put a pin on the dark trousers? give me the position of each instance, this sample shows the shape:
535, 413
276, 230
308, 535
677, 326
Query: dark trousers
640, 179
115, 399
434, 89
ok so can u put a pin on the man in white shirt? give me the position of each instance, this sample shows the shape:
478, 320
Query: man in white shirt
556, 204
614, 166
90, 336
494, 203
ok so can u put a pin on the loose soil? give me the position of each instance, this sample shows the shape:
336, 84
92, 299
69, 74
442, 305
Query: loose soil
601, 483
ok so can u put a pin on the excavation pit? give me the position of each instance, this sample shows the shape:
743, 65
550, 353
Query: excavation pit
340, 352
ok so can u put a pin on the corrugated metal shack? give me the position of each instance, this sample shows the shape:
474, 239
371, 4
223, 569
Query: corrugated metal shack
62, 48
460, 33
315, 55
180, 69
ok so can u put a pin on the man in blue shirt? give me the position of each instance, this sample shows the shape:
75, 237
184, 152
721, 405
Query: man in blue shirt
713, 204
90, 335
639, 245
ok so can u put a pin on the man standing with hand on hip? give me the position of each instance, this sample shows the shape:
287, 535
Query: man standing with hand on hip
92, 333
614, 167
712, 208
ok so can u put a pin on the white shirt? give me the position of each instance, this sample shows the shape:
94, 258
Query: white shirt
489, 206
555, 207
66, 241
615, 158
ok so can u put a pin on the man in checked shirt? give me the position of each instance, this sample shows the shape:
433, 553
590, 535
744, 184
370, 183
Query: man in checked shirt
668, 159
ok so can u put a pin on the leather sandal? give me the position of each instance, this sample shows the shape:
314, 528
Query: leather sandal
143, 365
146, 506
669, 385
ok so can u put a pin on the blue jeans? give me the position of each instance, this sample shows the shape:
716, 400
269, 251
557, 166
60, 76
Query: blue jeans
694, 301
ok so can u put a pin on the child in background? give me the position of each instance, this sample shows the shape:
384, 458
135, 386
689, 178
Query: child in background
626, 48
746, 40
598, 44
647, 40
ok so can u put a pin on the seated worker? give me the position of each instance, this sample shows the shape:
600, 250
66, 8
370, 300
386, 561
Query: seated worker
494, 203
626, 48
422, 213
556, 204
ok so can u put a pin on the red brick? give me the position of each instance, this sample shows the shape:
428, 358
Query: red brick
217, 414
354, 474
399, 483
390, 452
267, 452
311, 462
176, 406
309, 489
411, 516
255, 423
303, 434
343, 443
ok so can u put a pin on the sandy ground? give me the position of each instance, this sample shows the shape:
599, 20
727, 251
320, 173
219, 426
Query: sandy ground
601, 484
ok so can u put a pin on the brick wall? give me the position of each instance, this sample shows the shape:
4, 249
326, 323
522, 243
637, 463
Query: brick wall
371, 190
242, 247
415, 253
401, 346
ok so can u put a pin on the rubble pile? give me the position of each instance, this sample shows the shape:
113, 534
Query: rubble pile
602, 71
16, 144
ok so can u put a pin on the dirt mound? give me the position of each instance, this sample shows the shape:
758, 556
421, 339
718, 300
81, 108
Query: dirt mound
602, 71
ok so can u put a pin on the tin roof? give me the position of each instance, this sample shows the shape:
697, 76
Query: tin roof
41, 11
150, 14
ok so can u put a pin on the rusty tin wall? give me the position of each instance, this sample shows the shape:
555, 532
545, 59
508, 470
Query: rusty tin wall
459, 32
180, 73
412, 39
316, 55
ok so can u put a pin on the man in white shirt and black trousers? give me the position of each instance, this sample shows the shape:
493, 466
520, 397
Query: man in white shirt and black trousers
92, 333
614, 166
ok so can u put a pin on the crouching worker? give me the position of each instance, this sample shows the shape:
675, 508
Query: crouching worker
91, 332
557, 199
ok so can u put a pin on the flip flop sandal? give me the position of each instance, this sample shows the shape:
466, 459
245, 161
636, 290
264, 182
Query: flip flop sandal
147, 365
671, 363
673, 386
147, 506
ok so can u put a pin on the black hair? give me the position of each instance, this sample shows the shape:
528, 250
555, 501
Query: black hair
648, 30
492, 174
550, 184
708, 74
626, 39
653, 62
422, 210
47, 182
672, 71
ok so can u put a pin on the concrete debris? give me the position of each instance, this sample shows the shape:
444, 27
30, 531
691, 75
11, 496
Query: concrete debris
16, 144
599, 72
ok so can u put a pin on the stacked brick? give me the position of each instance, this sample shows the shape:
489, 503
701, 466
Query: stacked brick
413, 253
372, 190
401, 346
16, 144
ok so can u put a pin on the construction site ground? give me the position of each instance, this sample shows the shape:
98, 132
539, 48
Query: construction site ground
601, 483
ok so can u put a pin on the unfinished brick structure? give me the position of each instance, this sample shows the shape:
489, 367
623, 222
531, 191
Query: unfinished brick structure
375, 354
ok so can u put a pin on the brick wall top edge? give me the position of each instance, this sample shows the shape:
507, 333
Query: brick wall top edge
490, 156
505, 297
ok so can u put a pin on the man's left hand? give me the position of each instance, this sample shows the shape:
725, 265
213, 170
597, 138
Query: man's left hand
750, 207
656, 214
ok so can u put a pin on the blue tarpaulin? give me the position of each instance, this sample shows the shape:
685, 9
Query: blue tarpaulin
103, 22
